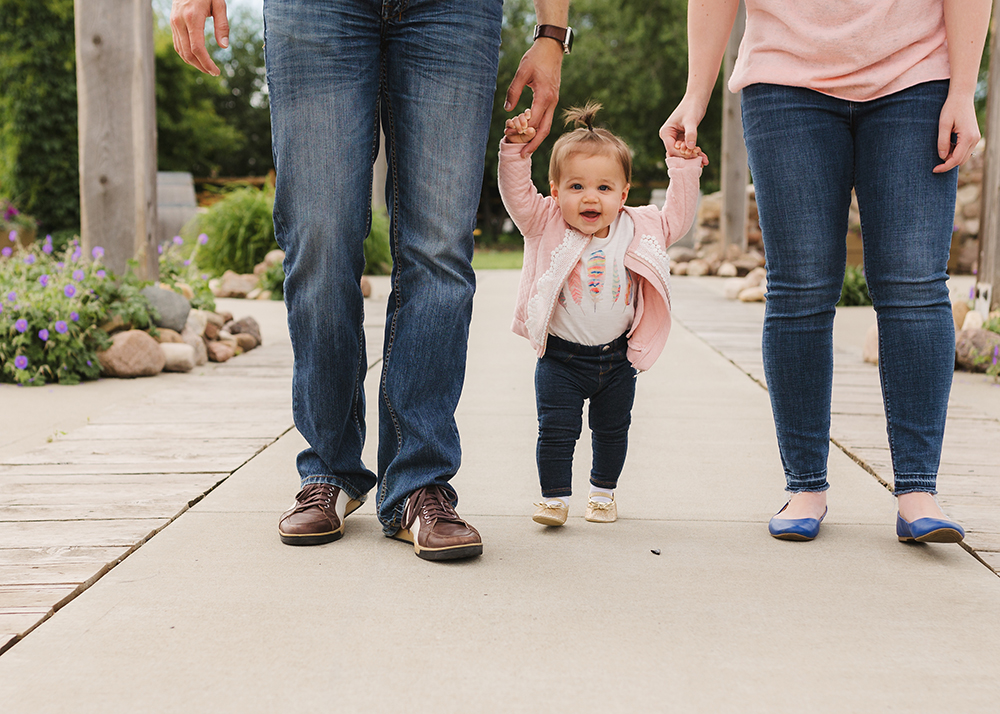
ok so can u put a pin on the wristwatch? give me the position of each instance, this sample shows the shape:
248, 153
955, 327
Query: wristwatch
562, 35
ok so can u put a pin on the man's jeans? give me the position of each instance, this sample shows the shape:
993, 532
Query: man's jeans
425, 71
565, 377
807, 150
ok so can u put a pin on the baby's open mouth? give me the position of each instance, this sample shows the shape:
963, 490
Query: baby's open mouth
590, 214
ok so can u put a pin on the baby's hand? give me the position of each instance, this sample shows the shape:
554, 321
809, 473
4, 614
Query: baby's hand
517, 130
681, 150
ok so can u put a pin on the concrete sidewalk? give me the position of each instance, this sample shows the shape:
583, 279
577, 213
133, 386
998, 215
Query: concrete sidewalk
214, 614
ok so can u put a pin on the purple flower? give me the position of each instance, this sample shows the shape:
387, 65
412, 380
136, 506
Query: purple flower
43, 335
47, 248
204, 276
77, 274
202, 239
29, 259
74, 316
1, 307
178, 240
996, 354
10, 213
159, 250
88, 363
21, 362
60, 265
48, 238
97, 252
972, 293
61, 327
69, 291
12, 236
44, 280
100, 274
21, 325
12, 296
187, 262
77, 253
6, 252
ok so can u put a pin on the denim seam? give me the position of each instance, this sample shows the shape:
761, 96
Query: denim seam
394, 244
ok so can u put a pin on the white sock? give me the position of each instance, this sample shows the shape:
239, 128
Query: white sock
557, 501
601, 495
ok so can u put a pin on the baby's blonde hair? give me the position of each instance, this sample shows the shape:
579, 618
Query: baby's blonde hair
586, 139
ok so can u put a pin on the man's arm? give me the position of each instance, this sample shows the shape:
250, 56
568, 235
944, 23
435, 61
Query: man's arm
541, 69
187, 24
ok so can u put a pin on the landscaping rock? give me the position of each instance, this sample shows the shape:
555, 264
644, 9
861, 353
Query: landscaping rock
172, 307
733, 287
681, 254
235, 285
179, 357
220, 352
727, 270
246, 341
197, 343
755, 294
974, 349
869, 353
133, 353
755, 277
246, 325
959, 309
214, 318
196, 322
211, 331
168, 336
973, 321
679, 269
698, 267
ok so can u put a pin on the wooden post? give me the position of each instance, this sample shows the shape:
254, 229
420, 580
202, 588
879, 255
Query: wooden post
988, 281
735, 174
117, 123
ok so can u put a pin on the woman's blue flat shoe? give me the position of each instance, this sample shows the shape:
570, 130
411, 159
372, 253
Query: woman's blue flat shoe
929, 530
794, 528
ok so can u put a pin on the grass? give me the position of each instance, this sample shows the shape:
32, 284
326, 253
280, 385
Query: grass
486, 259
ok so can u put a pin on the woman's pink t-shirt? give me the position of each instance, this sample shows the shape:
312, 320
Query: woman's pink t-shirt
851, 49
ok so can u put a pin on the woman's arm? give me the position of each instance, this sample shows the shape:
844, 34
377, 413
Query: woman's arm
709, 24
965, 23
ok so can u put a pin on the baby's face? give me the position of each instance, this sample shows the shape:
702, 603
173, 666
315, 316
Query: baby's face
591, 192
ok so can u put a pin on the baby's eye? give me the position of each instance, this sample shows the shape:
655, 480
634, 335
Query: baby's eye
603, 187
576, 186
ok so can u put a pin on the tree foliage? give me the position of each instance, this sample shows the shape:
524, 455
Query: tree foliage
39, 153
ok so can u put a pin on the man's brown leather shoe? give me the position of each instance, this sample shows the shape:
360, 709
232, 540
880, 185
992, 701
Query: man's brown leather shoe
432, 525
317, 516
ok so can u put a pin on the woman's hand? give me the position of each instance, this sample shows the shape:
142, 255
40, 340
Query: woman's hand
958, 132
681, 127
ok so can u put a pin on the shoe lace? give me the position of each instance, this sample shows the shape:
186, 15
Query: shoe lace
598, 506
433, 503
313, 495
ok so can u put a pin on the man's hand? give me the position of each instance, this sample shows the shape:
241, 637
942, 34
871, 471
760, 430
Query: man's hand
187, 24
541, 70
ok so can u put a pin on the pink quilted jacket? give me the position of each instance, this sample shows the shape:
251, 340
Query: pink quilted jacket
552, 248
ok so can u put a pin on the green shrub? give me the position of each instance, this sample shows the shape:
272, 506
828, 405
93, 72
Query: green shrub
51, 308
240, 231
378, 253
179, 269
273, 279
39, 154
855, 290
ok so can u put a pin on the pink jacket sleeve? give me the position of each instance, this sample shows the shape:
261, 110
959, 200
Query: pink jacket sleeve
525, 205
682, 197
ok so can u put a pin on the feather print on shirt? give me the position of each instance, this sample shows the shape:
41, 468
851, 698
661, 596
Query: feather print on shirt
628, 286
562, 297
575, 286
595, 273
616, 286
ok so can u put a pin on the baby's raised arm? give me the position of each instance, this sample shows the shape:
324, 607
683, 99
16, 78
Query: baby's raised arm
516, 129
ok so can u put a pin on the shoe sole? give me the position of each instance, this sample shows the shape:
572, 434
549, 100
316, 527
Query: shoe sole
320, 538
548, 521
791, 536
453, 552
941, 535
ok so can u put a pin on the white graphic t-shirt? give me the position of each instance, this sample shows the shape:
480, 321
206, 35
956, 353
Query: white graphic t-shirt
597, 302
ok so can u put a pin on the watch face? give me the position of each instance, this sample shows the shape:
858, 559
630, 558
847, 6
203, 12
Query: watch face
568, 42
